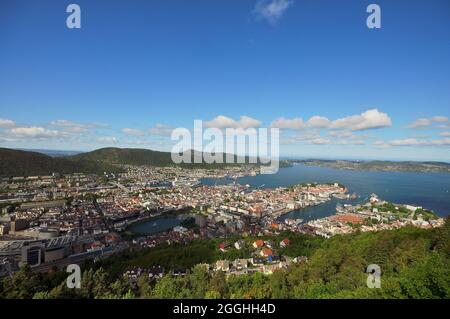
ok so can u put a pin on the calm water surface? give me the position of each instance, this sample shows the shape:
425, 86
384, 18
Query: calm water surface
429, 190
157, 225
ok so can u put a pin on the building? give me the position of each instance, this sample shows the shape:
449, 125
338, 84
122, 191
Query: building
240, 264
222, 265
284, 243
239, 244
266, 252
54, 254
33, 253
4, 229
18, 225
258, 244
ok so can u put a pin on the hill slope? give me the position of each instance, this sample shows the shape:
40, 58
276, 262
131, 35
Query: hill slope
132, 156
23, 163
26, 163
127, 156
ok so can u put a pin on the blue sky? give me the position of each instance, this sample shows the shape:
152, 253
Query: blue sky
136, 69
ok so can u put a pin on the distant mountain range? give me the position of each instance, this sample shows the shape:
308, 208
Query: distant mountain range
52, 153
26, 163
406, 166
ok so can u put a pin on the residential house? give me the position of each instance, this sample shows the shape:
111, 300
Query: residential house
257, 261
239, 244
284, 243
240, 264
224, 246
222, 265
258, 244
266, 252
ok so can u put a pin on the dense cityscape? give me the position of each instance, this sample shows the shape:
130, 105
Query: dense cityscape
48, 222
212, 158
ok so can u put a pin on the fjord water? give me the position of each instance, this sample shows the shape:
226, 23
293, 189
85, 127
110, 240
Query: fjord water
158, 225
429, 190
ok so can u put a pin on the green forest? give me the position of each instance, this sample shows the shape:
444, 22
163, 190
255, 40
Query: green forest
415, 263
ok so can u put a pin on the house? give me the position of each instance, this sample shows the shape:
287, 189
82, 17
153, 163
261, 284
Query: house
257, 261
239, 244
180, 272
132, 274
222, 265
258, 244
155, 272
269, 269
374, 198
284, 243
240, 264
4, 229
266, 252
224, 246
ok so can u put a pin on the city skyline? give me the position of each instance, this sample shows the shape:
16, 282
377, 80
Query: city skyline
129, 76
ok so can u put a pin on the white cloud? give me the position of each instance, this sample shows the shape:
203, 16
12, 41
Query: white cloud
445, 134
358, 142
133, 132
34, 132
371, 119
342, 134
291, 124
318, 122
414, 142
272, 10
420, 123
223, 122
248, 122
73, 127
444, 126
424, 122
439, 119
321, 141
405, 142
5, 123
161, 130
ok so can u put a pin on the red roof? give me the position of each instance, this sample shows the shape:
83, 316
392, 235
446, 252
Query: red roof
267, 252
348, 218
259, 243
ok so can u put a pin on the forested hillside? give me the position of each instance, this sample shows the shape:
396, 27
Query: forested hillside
415, 263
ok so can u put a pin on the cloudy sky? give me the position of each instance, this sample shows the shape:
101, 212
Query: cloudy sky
313, 69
